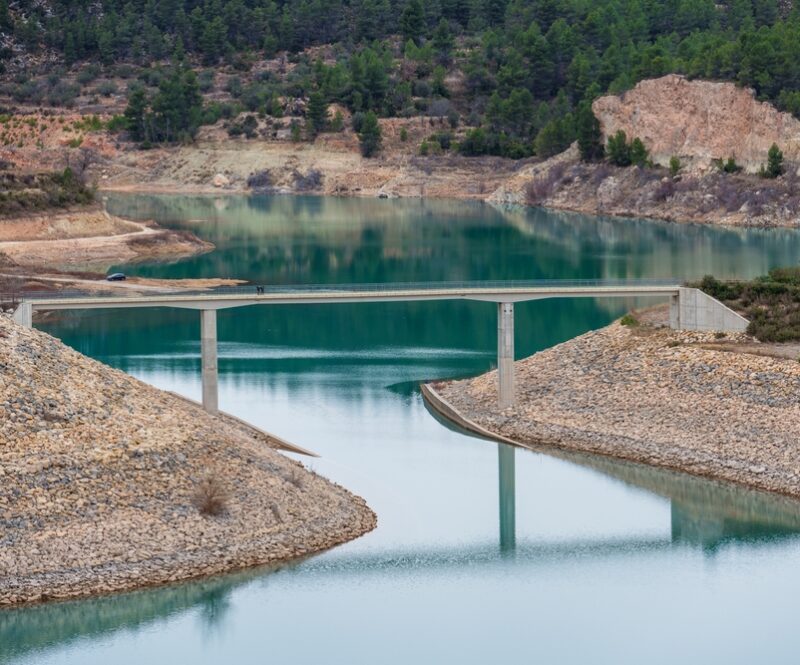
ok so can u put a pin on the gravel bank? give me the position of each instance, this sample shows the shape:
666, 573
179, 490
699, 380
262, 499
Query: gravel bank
99, 474
655, 396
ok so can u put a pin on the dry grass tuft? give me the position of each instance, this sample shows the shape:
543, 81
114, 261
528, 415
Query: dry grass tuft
211, 497
276, 513
296, 478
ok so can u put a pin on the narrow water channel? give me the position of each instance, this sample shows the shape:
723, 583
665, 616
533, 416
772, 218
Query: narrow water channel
483, 554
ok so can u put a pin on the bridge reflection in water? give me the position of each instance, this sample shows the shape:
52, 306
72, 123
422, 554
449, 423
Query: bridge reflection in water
704, 514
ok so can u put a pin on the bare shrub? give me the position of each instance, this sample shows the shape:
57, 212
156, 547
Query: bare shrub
644, 176
80, 161
439, 108
308, 182
600, 173
260, 180
544, 186
210, 496
665, 189
728, 193
757, 201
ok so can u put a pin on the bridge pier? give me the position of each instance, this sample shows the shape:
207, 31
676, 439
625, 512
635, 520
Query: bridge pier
208, 358
505, 354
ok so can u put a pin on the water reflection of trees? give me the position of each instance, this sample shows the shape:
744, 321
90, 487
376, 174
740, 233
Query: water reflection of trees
307, 239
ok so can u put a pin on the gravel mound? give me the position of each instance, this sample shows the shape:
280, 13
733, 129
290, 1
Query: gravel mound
656, 396
100, 475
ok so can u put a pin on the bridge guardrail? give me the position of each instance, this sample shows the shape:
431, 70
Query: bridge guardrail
256, 288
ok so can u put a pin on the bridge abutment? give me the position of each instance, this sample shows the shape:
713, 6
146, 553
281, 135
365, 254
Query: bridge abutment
505, 354
23, 315
208, 358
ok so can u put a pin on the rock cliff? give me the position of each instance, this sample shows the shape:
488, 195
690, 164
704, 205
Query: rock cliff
699, 121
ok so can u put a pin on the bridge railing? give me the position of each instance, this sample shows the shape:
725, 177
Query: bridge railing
255, 288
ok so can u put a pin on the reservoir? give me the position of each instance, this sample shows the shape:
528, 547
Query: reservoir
483, 553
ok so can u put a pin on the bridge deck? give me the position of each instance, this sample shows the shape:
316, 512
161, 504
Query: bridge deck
253, 295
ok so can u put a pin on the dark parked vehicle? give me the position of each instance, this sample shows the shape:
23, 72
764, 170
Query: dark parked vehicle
116, 277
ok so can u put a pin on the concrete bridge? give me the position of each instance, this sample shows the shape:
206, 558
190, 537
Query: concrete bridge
690, 309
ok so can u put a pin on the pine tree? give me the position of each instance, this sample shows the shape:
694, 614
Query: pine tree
443, 38
619, 152
135, 114
370, 135
5, 17
590, 141
774, 162
412, 21
316, 114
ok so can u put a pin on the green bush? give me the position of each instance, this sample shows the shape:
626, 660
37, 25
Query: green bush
106, 88
639, 154
618, 150
629, 320
771, 302
774, 166
728, 166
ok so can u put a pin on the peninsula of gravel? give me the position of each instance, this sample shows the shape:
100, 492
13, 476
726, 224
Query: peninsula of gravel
726, 408
102, 482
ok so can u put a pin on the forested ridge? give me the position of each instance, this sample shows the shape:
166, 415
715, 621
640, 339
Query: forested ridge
518, 72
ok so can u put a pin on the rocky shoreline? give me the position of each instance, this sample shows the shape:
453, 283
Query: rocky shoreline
678, 400
102, 480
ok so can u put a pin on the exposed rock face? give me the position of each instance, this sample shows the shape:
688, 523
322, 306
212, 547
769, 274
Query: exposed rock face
699, 121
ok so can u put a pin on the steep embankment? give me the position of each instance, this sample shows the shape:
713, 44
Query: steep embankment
104, 480
657, 396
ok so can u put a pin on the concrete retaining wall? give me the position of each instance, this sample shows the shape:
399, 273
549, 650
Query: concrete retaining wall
699, 311
23, 315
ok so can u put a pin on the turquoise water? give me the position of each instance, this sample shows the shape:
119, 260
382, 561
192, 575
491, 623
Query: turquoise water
482, 554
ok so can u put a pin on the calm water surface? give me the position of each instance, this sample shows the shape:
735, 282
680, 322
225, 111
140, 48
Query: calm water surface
482, 554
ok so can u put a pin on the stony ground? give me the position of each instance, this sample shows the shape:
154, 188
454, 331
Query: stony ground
99, 477
656, 396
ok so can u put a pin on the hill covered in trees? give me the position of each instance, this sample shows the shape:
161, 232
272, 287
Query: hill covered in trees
520, 74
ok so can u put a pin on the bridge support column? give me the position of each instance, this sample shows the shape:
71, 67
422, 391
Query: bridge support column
675, 312
505, 354
23, 315
208, 356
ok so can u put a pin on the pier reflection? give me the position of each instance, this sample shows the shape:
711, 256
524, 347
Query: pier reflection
507, 496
